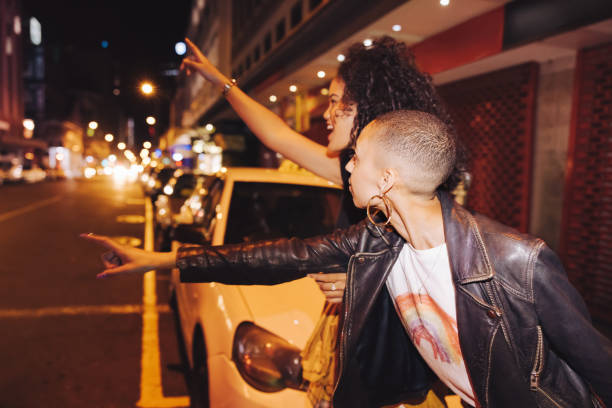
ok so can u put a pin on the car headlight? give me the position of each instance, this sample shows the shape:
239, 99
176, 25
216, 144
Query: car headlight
266, 361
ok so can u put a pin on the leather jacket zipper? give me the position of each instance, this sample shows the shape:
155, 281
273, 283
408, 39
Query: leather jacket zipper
347, 305
534, 381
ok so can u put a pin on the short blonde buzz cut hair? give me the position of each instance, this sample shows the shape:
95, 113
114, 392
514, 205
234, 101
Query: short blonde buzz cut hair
421, 146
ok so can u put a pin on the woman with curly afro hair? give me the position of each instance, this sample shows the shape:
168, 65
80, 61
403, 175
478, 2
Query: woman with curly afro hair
371, 81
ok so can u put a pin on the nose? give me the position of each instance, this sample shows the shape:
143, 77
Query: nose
326, 114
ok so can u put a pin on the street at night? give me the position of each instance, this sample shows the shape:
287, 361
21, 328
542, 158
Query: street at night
306, 204
69, 339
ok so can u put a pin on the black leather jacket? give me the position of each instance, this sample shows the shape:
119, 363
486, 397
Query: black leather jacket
524, 331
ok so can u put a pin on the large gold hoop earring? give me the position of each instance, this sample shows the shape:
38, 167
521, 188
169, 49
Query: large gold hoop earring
388, 207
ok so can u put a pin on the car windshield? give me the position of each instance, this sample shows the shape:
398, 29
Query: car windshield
272, 210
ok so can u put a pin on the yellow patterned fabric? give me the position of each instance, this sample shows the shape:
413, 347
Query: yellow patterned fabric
319, 356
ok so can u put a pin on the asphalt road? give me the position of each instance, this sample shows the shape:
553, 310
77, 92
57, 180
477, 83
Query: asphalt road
67, 339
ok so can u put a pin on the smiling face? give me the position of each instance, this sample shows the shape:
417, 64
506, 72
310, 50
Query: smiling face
366, 172
339, 117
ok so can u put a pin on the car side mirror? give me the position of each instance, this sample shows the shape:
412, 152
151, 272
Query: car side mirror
188, 234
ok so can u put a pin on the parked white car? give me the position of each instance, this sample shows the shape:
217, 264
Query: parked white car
243, 343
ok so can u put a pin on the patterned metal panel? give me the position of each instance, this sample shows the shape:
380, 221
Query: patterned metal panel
587, 213
494, 115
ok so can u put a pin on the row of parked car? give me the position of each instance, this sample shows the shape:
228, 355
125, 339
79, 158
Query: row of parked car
14, 172
242, 343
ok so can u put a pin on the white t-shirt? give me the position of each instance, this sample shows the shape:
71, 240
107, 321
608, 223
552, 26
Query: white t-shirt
421, 286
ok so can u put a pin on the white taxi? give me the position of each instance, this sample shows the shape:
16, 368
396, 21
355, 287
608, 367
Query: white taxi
243, 343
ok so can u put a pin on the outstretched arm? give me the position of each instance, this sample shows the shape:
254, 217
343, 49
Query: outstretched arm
265, 124
260, 263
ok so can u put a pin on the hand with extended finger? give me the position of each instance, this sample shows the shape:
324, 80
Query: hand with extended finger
199, 63
331, 284
122, 259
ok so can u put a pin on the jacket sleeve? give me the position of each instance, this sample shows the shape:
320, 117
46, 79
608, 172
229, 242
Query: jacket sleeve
268, 262
567, 325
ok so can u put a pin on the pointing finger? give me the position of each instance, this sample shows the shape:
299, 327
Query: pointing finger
99, 239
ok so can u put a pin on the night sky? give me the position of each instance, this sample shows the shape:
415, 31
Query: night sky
141, 37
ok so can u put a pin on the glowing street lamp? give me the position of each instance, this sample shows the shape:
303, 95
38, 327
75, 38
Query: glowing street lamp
150, 120
121, 146
28, 124
146, 88
93, 125
146, 145
109, 137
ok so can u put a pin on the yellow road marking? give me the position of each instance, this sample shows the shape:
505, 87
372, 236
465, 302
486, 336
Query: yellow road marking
135, 201
77, 310
12, 214
151, 392
131, 219
125, 240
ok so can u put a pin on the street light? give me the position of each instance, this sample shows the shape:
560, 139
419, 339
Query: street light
121, 146
146, 145
150, 120
109, 137
93, 125
146, 88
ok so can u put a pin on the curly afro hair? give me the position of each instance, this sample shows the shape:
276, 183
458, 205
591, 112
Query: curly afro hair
382, 78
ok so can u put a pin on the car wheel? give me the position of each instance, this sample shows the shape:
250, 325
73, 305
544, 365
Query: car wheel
198, 384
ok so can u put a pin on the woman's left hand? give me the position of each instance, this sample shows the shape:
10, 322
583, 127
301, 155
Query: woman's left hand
331, 284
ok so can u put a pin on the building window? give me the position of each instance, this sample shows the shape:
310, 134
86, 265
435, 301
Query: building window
314, 4
280, 30
268, 42
296, 14
256, 54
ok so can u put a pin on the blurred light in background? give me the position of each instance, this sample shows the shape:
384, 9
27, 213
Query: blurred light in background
112, 158
109, 137
396, 27
180, 48
321, 74
293, 88
177, 157
93, 125
146, 88
121, 146
104, 44
444, 2
28, 124
209, 127
324, 91
272, 98
35, 31
89, 172
150, 120
89, 159
340, 57
29, 156
367, 42
146, 145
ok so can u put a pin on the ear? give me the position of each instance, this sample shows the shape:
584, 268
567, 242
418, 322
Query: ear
387, 180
